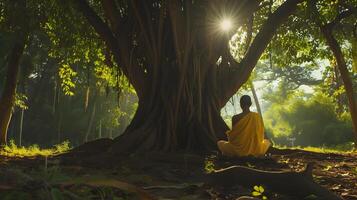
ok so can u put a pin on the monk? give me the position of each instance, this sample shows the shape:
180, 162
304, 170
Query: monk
247, 135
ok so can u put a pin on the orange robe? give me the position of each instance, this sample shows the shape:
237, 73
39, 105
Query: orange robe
245, 138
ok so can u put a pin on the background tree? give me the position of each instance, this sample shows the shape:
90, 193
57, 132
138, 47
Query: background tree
17, 28
332, 42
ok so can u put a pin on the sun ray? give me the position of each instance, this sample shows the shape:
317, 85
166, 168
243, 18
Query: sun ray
226, 25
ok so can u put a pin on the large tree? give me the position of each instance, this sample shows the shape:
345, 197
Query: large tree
179, 62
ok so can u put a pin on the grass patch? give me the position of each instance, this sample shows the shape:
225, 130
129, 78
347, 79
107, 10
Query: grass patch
337, 150
12, 150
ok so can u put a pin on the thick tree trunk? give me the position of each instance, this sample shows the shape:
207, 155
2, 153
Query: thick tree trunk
179, 111
7, 99
158, 128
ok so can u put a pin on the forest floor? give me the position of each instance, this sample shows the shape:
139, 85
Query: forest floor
161, 176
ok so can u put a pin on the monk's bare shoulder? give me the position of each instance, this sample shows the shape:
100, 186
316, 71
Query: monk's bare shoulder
236, 118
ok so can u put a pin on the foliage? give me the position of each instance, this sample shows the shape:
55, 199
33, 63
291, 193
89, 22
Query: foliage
65, 71
66, 74
20, 101
311, 119
12, 150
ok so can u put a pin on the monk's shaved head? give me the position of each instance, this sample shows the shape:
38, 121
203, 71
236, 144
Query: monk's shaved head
245, 101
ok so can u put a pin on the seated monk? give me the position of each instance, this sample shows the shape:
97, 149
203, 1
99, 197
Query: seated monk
247, 134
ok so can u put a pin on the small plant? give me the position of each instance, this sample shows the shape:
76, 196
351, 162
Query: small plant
258, 192
209, 166
61, 148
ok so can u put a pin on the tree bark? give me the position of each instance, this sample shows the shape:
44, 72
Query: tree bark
156, 128
7, 99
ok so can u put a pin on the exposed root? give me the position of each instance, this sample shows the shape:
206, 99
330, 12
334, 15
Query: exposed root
298, 184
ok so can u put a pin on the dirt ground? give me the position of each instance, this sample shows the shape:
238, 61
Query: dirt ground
161, 175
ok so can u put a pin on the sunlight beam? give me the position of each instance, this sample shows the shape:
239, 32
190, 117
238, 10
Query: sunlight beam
226, 25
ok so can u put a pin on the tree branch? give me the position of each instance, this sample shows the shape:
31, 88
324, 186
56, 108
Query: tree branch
99, 26
143, 17
111, 12
135, 74
344, 14
238, 73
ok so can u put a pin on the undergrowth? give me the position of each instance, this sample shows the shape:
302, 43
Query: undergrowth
12, 150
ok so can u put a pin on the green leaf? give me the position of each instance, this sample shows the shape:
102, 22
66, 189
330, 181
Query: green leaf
255, 193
